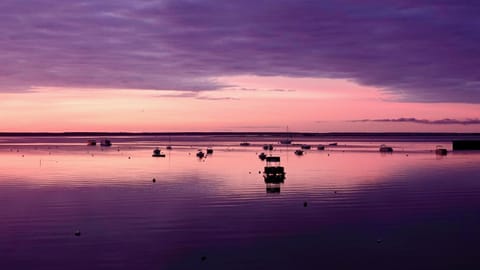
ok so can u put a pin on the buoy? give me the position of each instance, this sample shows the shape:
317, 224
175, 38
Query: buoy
305, 204
154, 180
77, 233
128, 157
379, 241
203, 258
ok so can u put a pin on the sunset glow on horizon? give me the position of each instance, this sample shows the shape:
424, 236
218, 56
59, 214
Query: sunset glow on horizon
169, 66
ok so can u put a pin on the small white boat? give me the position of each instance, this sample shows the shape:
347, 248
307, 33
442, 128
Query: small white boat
157, 153
385, 149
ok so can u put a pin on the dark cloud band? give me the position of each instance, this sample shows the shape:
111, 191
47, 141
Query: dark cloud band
446, 121
420, 50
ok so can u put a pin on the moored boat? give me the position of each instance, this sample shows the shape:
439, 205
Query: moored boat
299, 152
441, 151
105, 143
385, 149
158, 153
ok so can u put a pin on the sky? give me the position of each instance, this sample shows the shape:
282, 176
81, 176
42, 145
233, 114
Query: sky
250, 65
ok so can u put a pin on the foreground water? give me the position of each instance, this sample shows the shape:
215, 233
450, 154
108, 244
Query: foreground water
348, 207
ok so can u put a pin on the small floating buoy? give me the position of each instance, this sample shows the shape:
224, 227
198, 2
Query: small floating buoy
379, 241
77, 233
249, 172
335, 192
154, 180
129, 158
203, 258
305, 204
259, 172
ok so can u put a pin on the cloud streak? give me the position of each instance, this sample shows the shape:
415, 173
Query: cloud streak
446, 121
423, 51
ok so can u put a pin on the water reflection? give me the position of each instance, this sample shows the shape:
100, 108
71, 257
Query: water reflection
423, 207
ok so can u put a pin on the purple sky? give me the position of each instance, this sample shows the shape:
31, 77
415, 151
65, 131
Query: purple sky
425, 51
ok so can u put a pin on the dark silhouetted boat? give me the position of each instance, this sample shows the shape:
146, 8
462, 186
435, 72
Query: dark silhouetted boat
209, 151
286, 141
441, 151
333, 144
244, 144
106, 143
466, 145
273, 171
385, 149
306, 146
200, 154
91, 142
299, 152
268, 147
262, 156
157, 153
321, 147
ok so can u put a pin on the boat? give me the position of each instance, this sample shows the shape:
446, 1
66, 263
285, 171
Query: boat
244, 144
106, 143
262, 156
321, 147
299, 152
91, 142
200, 154
306, 146
333, 144
157, 153
209, 151
466, 145
441, 151
268, 147
169, 146
385, 149
286, 141
273, 172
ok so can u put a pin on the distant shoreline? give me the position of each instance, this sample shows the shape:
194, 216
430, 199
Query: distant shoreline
265, 134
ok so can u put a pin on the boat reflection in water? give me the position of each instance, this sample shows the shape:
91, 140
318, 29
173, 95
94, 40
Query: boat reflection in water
273, 174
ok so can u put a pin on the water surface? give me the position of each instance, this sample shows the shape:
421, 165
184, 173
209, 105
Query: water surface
410, 209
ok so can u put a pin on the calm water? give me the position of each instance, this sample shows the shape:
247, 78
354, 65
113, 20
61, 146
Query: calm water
365, 210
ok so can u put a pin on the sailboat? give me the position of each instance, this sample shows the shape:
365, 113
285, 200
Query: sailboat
287, 140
